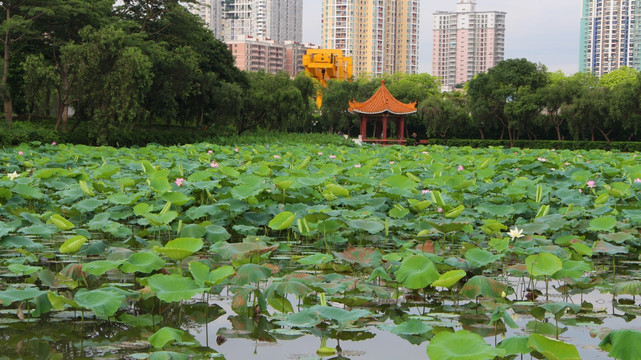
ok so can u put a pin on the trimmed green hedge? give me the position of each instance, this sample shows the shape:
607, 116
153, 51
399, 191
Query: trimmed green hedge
624, 146
17, 132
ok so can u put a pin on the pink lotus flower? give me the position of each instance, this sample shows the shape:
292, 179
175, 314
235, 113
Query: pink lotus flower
425, 191
320, 153
542, 159
276, 156
580, 190
391, 162
516, 169
552, 169
590, 184
20, 152
210, 152
637, 180
53, 143
460, 168
236, 149
179, 181
440, 210
357, 165
425, 153
332, 156
214, 164
588, 161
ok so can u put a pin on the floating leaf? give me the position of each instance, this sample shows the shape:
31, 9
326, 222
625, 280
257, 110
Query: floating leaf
604, 223
483, 286
553, 349
449, 278
103, 302
461, 345
165, 336
365, 257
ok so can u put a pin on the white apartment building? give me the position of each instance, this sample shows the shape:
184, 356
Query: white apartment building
380, 35
466, 42
610, 35
278, 20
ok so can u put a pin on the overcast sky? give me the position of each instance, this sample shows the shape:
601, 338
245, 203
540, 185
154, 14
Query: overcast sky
542, 31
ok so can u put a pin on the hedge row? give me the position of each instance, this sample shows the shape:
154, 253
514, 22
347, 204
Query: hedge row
623, 146
13, 134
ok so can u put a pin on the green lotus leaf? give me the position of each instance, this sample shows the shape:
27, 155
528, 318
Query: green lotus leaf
23, 270
282, 221
416, 272
180, 248
11, 295
100, 267
159, 182
140, 321
73, 244
42, 230
176, 197
604, 247
604, 223
165, 336
411, 327
553, 349
144, 262
28, 192
173, 288
448, 279
316, 259
543, 264
250, 274
103, 302
622, 344
480, 258
88, 205
60, 222
6, 229
216, 233
461, 345
371, 226
515, 345
627, 288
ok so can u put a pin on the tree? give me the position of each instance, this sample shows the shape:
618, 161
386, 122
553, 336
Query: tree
553, 97
114, 77
506, 94
16, 19
444, 113
589, 113
336, 98
626, 104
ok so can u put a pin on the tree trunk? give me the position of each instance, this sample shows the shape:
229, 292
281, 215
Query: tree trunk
605, 135
8, 107
482, 133
558, 131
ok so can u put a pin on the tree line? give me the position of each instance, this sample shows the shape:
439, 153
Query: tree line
98, 66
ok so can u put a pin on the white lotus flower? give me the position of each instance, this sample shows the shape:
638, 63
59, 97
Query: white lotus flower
13, 175
515, 233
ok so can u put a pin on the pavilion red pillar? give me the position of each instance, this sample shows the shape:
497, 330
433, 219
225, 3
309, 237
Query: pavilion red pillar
384, 129
401, 128
363, 127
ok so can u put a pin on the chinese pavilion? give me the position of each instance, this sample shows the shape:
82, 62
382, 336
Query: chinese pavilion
380, 108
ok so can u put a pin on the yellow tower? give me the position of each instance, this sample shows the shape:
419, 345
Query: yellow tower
326, 64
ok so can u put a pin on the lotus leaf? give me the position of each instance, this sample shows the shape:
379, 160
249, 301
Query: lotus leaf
250, 274
73, 244
483, 286
623, 344
103, 302
165, 336
180, 248
282, 221
365, 257
461, 345
144, 262
448, 279
553, 349
416, 272
543, 264
172, 288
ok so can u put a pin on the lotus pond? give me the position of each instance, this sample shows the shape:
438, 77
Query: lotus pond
297, 251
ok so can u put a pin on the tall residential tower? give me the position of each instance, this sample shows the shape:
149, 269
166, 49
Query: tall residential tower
278, 20
610, 35
380, 35
466, 42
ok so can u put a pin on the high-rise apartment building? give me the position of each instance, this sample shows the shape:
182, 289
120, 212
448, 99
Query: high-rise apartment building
380, 35
279, 20
259, 53
610, 35
466, 42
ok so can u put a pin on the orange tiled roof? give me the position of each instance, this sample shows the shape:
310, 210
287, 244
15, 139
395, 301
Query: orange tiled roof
382, 101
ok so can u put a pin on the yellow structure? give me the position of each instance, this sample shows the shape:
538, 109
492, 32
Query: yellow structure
326, 64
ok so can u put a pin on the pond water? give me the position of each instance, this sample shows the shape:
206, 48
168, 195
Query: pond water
224, 334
